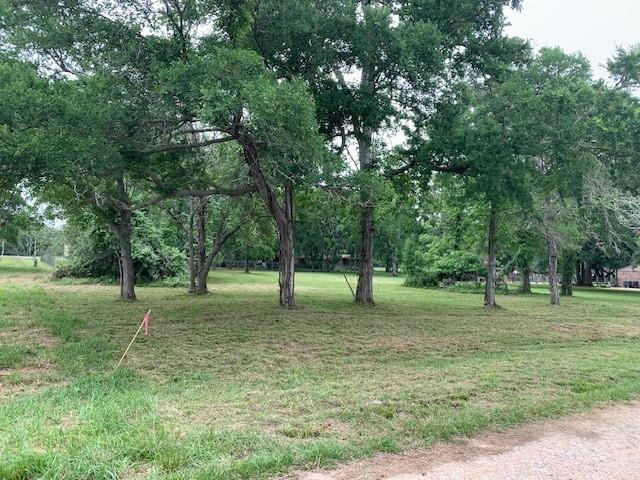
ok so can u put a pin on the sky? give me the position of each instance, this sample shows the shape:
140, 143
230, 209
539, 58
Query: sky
592, 27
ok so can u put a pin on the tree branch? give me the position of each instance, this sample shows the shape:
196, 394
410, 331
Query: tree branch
184, 146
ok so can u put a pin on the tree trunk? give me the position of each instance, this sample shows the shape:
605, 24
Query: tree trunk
283, 217
588, 277
526, 279
202, 287
193, 270
567, 275
579, 276
567, 287
364, 137
120, 274
394, 264
222, 236
127, 272
203, 272
287, 252
490, 284
35, 252
553, 270
364, 291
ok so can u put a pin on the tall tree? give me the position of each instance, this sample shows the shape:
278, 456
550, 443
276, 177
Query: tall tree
561, 96
274, 124
116, 124
370, 65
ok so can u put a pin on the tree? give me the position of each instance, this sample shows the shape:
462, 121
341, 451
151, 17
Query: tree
274, 125
523, 243
255, 242
156, 255
20, 90
371, 65
396, 218
207, 222
109, 105
556, 106
498, 167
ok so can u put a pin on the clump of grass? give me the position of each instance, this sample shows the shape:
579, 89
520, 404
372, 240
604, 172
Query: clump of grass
13, 356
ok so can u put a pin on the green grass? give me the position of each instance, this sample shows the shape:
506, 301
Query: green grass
12, 265
228, 385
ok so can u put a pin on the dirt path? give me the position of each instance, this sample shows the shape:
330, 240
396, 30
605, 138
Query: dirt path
601, 445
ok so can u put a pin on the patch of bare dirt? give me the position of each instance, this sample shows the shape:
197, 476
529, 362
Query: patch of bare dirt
84, 288
138, 472
28, 336
27, 380
24, 279
601, 445
598, 330
448, 344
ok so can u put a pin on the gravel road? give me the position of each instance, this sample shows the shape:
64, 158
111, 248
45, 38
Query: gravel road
601, 445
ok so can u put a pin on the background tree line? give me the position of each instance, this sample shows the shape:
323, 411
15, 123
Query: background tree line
176, 135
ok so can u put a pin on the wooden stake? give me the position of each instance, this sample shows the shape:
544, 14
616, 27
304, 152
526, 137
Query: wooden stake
133, 339
350, 287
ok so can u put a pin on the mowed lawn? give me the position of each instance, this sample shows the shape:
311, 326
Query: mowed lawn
228, 385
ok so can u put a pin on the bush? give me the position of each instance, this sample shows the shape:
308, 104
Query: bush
421, 279
94, 253
430, 261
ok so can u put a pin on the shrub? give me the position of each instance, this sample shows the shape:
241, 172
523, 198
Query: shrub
430, 261
94, 253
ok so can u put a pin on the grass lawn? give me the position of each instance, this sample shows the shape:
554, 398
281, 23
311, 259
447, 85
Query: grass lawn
230, 386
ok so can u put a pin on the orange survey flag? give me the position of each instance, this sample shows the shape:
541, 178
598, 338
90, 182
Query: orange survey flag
146, 319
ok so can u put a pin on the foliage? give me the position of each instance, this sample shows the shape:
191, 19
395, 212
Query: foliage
93, 253
430, 260
449, 249
111, 108
322, 233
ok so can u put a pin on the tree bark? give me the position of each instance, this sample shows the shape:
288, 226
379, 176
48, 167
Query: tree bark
526, 279
193, 269
283, 218
553, 270
120, 274
364, 137
287, 252
364, 291
588, 277
567, 287
203, 273
579, 277
127, 272
492, 265
202, 286
394, 263
550, 213
567, 275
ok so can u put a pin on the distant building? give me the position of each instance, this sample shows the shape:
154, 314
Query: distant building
628, 277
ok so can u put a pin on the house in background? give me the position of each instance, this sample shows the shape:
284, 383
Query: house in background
628, 277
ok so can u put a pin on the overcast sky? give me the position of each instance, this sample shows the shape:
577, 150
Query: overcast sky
593, 27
